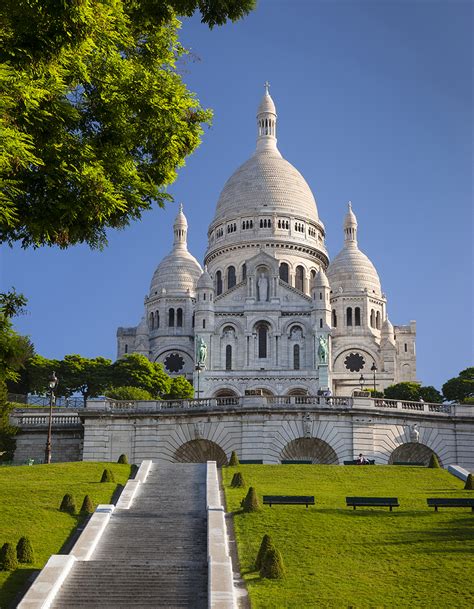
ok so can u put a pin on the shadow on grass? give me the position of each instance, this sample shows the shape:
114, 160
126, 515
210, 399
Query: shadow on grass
15, 586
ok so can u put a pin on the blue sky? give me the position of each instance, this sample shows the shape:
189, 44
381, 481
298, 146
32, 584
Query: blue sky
374, 104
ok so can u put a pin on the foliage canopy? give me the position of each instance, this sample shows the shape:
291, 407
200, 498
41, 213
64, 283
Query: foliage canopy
95, 118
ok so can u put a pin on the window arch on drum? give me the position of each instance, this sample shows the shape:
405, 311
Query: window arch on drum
262, 340
285, 272
299, 278
228, 357
231, 280
218, 283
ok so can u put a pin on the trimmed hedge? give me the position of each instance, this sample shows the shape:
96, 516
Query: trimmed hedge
123, 459
68, 504
272, 566
107, 476
469, 486
87, 506
434, 463
234, 459
264, 547
8, 560
250, 502
238, 481
24, 551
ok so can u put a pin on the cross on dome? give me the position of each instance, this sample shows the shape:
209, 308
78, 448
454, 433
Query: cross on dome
267, 87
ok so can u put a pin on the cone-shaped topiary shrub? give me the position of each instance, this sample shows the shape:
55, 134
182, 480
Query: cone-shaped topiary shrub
264, 547
272, 565
469, 486
24, 551
250, 503
238, 481
434, 463
8, 560
234, 459
68, 504
107, 476
87, 506
123, 459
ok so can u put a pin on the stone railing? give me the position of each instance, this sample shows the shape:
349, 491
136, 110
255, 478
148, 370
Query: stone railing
381, 403
41, 420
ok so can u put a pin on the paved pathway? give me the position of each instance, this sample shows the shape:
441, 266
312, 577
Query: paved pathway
153, 555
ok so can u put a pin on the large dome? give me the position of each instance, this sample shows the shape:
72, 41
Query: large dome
351, 270
266, 183
179, 271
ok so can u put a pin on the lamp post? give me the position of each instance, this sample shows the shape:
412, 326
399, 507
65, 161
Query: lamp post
361, 382
198, 369
53, 383
374, 370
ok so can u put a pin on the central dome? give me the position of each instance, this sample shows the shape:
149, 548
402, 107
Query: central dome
266, 183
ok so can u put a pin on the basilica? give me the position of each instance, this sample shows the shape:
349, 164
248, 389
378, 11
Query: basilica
269, 313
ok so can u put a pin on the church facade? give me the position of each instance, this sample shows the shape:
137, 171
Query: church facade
270, 313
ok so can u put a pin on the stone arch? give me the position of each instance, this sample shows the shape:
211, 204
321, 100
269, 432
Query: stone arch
226, 393
200, 451
298, 391
413, 452
219, 328
309, 449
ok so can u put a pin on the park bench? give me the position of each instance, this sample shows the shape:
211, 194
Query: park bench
389, 502
355, 462
296, 462
418, 463
450, 502
288, 500
251, 461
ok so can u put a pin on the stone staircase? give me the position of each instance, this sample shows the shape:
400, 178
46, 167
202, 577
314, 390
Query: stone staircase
153, 555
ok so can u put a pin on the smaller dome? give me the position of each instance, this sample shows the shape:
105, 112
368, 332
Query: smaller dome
179, 271
350, 219
267, 104
205, 281
388, 332
351, 270
321, 279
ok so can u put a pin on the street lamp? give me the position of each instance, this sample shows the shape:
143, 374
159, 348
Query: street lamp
53, 383
374, 370
198, 369
361, 382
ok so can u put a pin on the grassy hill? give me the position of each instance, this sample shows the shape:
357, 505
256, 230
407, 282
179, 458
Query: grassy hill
29, 502
337, 557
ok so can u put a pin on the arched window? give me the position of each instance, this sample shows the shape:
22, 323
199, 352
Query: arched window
218, 283
284, 272
372, 318
171, 318
152, 321
334, 318
296, 357
357, 316
179, 318
193, 319
203, 323
262, 335
244, 271
377, 320
299, 278
313, 276
231, 277
349, 316
126, 348
228, 357
321, 323
157, 319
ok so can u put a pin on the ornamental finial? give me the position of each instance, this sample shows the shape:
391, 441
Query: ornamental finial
267, 87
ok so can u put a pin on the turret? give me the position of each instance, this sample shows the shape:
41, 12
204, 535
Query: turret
320, 293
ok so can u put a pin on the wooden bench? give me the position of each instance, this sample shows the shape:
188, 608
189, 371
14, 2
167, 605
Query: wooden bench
288, 500
389, 502
417, 463
296, 462
355, 462
437, 502
251, 461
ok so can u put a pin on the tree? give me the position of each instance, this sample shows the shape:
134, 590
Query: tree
412, 392
90, 377
14, 351
129, 393
38, 374
135, 370
431, 394
461, 387
180, 389
95, 118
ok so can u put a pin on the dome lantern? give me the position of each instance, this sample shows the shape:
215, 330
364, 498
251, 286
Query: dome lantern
266, 122
350, 226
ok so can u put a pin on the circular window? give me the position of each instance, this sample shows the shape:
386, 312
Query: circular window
354, 362
174, 362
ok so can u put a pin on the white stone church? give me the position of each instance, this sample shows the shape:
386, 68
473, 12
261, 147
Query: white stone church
270, 314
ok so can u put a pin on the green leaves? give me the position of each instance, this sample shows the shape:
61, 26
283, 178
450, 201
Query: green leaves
95, 120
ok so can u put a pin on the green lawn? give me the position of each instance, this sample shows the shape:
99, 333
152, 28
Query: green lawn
29, 502
339, 558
